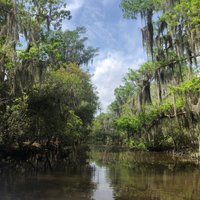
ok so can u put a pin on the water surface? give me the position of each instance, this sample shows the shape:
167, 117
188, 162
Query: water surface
109, 176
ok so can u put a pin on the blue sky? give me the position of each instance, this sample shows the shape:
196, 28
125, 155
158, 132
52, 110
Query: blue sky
118, 39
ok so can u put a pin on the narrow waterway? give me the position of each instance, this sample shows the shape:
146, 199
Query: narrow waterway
103, 191
109, 176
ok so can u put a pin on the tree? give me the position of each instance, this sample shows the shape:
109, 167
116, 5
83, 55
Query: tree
68, 47
47, 101
131, 8
31, 21
157, 90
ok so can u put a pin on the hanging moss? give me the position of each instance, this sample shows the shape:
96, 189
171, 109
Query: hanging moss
166, 106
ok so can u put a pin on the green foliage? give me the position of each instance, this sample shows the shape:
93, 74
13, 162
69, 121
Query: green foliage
129, 124
64, 104
69, 47
187, 10
131, 8
141, 146
190, 86
45, 97
104, 129
149, 67
164, 92
16, 121
157, 106
61, 107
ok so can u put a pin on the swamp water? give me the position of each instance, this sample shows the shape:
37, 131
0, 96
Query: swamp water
109, 176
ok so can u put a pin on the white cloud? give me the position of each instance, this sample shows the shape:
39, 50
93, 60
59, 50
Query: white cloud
119, 41
74, 5
109, 71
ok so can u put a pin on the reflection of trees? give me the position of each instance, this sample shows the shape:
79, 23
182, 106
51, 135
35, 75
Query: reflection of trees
71, 183
150, 184
41, 159
148, 176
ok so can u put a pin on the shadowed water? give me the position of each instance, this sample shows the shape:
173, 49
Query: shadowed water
109, 176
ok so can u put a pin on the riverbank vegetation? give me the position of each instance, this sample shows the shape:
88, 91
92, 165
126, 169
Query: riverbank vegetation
158, 105
47, 101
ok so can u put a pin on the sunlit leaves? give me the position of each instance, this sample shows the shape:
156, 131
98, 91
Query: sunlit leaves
131, 8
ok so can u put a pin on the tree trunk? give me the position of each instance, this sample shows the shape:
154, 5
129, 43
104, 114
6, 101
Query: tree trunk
159, 86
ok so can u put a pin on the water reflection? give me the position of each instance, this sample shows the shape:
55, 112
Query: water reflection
110, 176
104, 190
150, 176
74, 184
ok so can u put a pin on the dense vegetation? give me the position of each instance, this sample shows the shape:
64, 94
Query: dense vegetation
157, 107
47, 101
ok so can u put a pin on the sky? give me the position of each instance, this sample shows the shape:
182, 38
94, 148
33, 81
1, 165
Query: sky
118, 39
